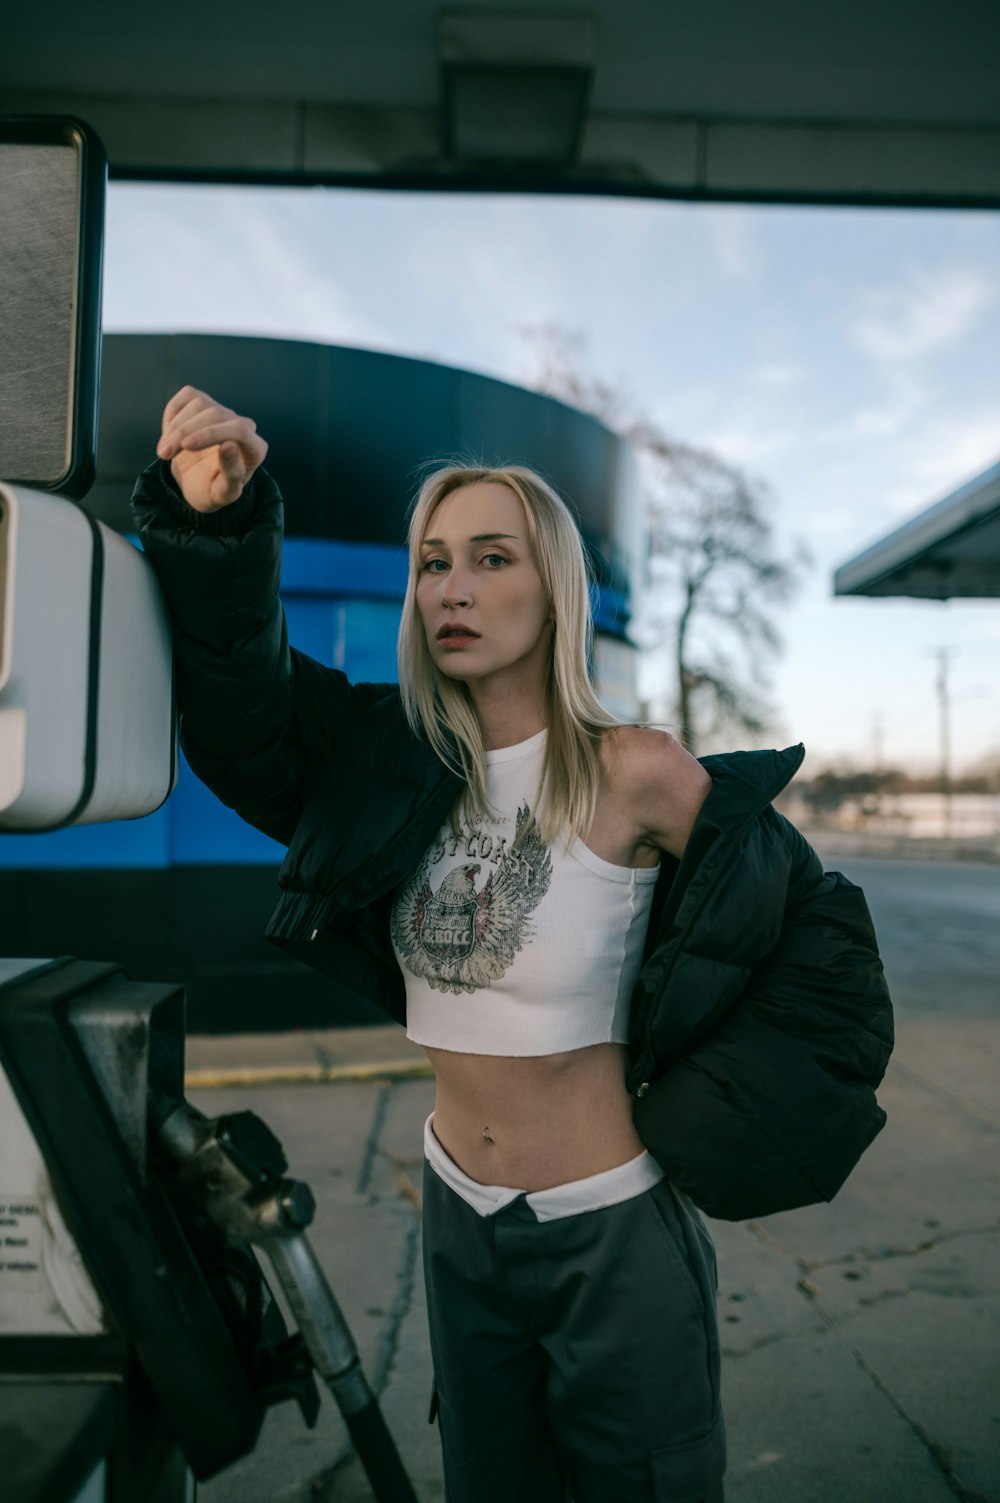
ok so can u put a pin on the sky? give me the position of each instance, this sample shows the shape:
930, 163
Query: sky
846, 357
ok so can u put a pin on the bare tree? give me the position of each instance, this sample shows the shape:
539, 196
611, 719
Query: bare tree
715, 575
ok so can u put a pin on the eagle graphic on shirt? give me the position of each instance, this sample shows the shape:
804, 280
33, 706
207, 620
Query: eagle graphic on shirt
460, 938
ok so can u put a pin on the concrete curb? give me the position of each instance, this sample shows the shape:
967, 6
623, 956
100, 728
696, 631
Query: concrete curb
249, 1075
326, 1056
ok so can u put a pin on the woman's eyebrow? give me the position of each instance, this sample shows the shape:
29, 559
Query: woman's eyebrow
480, 537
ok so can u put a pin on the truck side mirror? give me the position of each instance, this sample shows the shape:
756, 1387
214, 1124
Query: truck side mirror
52, 186
87, 715
87, 721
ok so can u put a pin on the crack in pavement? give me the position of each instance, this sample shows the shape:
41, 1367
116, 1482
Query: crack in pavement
870, 1255
968, 1109
941, 1457
389, 1344
320, 1488
755, 1346
374, 1133
406, 1186
322, 1054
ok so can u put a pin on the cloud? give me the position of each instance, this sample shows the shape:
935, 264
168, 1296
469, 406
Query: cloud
940, 457
744, 444
735, 236
929, 309
223, 263
833, 523
777, 373
906, 396
480, 284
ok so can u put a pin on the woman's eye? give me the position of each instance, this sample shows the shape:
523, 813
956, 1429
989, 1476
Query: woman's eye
431, 566
494, 560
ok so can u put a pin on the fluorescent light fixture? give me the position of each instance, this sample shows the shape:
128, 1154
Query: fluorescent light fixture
515, 86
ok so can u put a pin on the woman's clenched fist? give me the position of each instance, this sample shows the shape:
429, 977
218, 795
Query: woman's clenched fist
212, 452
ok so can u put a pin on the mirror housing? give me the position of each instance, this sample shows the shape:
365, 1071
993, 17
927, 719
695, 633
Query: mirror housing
88, 723
53, 173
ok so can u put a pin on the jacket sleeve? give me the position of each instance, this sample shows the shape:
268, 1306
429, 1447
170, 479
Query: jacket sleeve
824, 979
256, 716
775, 1107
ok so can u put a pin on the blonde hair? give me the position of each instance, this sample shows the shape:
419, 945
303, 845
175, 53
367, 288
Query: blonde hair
441, 707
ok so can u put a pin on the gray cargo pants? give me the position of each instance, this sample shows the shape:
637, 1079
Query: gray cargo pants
576, 1357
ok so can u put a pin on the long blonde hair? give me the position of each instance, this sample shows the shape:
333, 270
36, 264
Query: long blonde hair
442, 709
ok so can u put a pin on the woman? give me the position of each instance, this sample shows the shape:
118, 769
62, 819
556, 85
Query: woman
478, 853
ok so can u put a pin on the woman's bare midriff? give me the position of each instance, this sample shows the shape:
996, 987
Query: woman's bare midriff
536, 1122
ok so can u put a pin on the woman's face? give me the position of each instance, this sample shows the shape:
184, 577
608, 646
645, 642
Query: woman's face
480, 596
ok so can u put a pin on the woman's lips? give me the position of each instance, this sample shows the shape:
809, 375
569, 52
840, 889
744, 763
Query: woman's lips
458, 639
457, 636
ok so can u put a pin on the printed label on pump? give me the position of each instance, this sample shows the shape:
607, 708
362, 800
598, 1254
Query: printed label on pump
21, 1230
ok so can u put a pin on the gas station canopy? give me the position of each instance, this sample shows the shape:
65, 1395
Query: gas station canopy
863, 102
951, 550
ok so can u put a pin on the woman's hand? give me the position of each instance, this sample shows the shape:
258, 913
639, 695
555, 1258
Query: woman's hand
212, 452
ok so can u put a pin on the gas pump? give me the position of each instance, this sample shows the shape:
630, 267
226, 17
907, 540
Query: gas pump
140, 1344
139, 1340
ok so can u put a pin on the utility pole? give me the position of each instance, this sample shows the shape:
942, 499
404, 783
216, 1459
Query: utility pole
877, 743
944, 656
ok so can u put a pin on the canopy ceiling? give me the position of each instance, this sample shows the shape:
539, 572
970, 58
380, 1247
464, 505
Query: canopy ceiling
949, 551
865, 101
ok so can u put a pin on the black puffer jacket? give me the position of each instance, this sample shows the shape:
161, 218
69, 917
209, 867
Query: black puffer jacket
761, 1022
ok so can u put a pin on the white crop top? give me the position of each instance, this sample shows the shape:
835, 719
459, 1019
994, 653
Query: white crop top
508, 946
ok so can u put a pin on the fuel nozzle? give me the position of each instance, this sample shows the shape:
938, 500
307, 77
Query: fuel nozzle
234, 1167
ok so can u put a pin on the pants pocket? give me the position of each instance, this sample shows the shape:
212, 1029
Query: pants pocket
663, 1210
695, 1221
684, 1233
692, 1472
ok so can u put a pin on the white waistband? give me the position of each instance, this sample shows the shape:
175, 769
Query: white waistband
605, 1189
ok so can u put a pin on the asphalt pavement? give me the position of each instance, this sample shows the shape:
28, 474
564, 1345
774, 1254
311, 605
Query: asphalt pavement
861, 1339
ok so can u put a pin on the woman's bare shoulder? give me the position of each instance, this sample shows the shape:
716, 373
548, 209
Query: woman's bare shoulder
662, 785
640, 755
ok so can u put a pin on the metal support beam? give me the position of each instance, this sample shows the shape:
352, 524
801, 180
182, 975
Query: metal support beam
288, 141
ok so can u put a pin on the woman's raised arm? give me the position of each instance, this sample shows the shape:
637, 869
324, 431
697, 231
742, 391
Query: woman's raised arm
256, 716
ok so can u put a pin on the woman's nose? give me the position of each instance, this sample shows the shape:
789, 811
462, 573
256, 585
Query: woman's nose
456, 593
